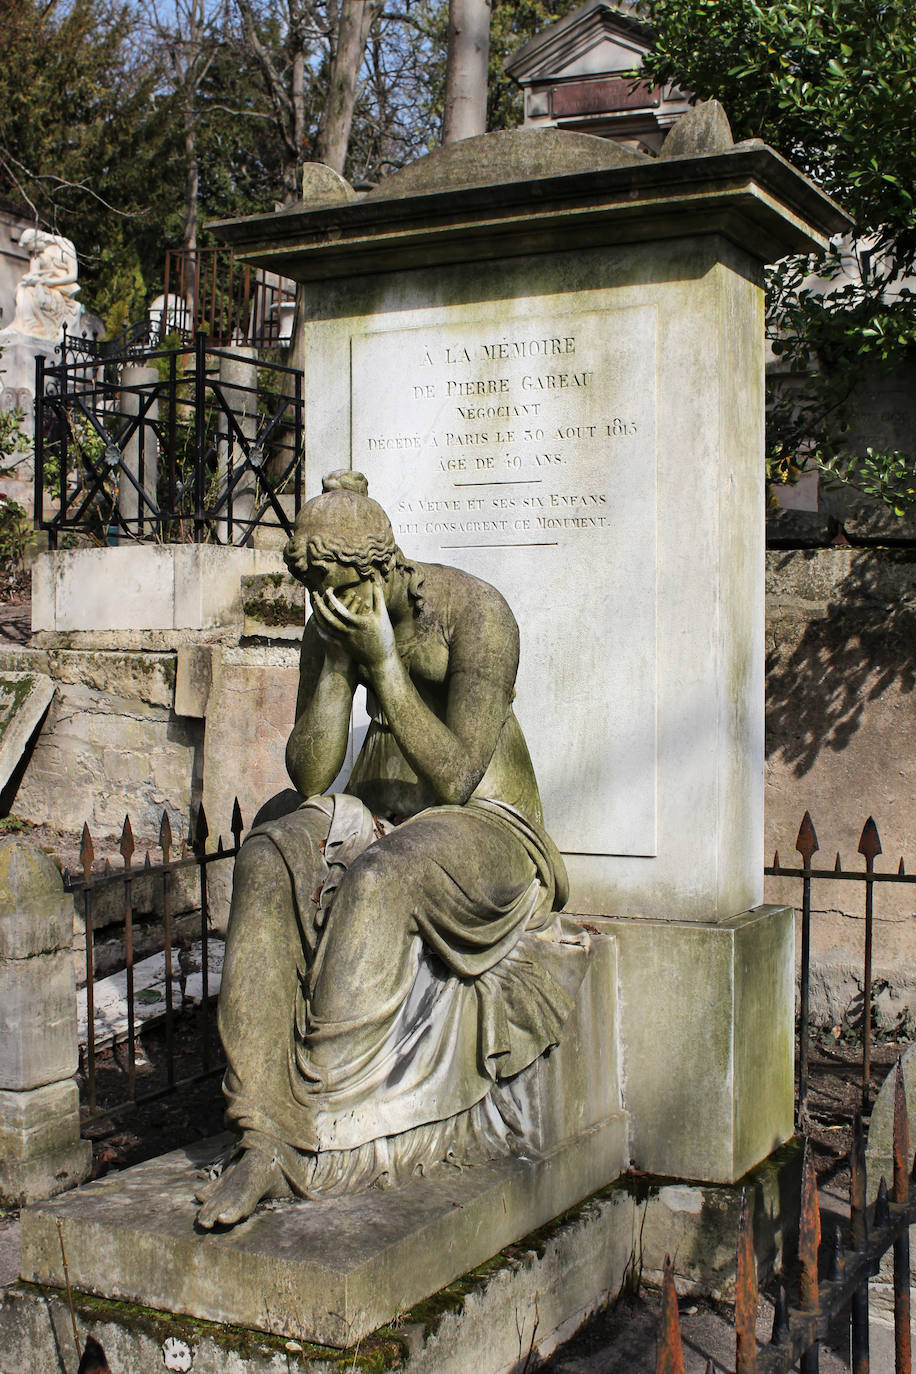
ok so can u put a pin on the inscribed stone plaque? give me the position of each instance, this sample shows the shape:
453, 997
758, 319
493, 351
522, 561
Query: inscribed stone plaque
524, 452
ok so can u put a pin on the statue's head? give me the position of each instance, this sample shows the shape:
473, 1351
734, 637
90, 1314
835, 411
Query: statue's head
342, 526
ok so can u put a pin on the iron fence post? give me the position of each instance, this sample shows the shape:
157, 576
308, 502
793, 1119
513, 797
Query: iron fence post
869, 847
806, 845
38, 445
200, 433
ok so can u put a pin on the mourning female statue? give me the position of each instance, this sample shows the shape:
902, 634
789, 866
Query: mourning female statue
394, 956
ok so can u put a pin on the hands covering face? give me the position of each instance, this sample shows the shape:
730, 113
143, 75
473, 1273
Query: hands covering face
355, 618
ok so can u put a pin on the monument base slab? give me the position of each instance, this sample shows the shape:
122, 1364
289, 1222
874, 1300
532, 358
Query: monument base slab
517, 1307
329, 1271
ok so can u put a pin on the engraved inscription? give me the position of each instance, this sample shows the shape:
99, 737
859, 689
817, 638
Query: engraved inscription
525, 453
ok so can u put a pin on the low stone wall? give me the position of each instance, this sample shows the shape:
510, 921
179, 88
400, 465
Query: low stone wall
111, 743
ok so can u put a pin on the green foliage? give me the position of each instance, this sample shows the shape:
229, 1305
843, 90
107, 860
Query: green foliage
86, 142
14, 444
16, 533
13, 825
831, 84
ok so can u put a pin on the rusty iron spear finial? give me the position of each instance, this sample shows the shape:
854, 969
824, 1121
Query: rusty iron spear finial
87, 851
127, 842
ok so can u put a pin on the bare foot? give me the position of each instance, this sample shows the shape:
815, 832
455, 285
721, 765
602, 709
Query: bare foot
239, 1189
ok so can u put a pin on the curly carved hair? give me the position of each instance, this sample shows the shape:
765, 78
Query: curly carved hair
344, 525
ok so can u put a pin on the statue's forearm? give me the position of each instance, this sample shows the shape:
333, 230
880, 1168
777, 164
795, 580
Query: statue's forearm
317, 745
430, 747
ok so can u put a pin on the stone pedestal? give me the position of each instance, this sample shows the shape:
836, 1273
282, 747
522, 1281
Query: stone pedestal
707, 1023
238, 379
41, 1153
139, 471
167, 588
17, 392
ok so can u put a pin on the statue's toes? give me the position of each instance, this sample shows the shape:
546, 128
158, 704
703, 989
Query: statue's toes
205, 1189
207, 1216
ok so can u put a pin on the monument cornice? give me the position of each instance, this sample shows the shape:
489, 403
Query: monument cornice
750, 195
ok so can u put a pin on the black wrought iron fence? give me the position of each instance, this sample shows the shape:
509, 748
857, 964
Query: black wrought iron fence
869, 848
192, 854
203, 445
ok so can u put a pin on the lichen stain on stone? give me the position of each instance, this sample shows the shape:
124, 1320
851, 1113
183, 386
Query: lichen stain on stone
383, 1351
13, 692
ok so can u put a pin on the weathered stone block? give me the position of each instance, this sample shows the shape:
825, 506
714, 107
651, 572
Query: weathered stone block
103, 754
37, 1020
45, 1175
24, 700
251, 710
36, 915
193, 676
37, 991
274, 606
40, 1150
697, 1225
159, 587
40, 1121
707, 1029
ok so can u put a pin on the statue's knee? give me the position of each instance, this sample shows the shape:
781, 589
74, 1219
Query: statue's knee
257, 862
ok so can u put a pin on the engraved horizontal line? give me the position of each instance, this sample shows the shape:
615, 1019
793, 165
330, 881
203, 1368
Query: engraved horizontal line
523, 482
534, 544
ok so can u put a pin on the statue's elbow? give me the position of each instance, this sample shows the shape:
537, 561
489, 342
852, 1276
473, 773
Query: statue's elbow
460, 789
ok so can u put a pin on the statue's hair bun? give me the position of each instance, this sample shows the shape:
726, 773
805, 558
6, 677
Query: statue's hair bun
345, 480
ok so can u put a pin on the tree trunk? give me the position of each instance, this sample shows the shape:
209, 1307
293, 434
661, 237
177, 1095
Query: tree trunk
466, 69
356, 18
192, 176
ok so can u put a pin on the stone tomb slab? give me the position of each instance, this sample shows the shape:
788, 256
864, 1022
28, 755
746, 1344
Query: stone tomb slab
24, 699
331, 1271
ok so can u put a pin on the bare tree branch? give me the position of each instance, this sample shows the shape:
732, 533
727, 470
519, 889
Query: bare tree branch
10, 162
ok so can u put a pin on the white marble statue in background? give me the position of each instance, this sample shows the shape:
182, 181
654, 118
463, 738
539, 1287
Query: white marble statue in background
46, 295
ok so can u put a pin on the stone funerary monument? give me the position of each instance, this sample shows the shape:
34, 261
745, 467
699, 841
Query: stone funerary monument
546, 354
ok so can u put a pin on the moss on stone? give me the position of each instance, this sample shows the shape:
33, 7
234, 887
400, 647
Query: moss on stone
269, 611
385, 1350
